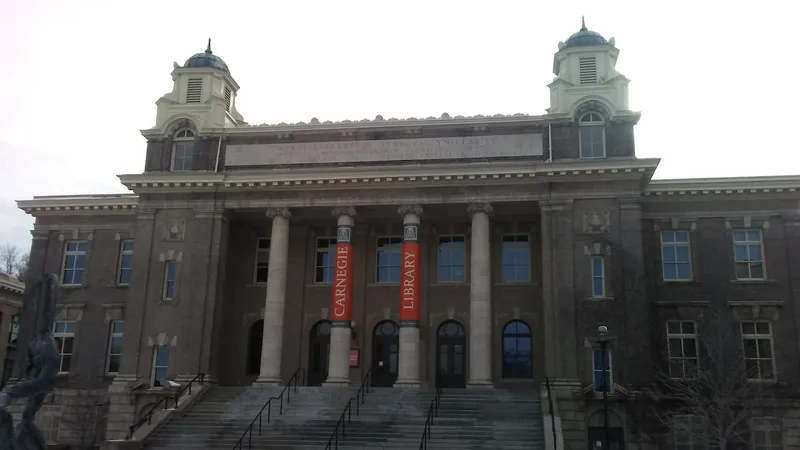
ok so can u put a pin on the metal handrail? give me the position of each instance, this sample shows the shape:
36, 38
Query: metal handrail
433, 411
298, 375
361, 395
147, 418
552, 416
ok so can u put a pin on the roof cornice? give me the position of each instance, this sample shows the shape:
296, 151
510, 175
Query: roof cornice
105, 203
12, 284
717, 186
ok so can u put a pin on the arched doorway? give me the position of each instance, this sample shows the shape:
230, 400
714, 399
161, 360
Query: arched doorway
451, 345
517, 350
596, 431
318, 349
385, 348
255, 338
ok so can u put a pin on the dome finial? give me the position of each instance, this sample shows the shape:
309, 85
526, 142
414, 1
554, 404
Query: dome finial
208, 49
583, 25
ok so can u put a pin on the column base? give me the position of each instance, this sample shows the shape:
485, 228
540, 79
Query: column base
483, 384
267, 381
407, 383
336, 382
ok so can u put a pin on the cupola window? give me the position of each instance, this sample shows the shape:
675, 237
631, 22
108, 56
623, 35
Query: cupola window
227, 94
587, 66
592, 132
182, 151
194, 90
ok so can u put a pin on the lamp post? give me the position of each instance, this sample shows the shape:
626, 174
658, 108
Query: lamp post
602, 339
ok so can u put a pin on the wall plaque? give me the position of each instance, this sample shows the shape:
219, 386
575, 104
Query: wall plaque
513, 145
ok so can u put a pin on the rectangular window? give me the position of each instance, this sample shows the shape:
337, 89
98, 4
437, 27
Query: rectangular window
160, 365
390, 258
452, 259
757, 347
748, 250
74, 263
682, 349
170, 269
676, 256
64, 335
690, 432
598, 277
182, 156
261, 271
115, 346
13, 332
516, 258
766, 433
592, 141
601, 365
125, 262
325, 258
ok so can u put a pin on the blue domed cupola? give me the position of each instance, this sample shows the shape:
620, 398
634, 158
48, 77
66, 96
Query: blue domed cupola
207, 59
585, 37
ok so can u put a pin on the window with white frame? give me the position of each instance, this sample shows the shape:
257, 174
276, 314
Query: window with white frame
682, 347
592, 135
160, 365
114, 357
516, 258
389, 259
74, 263
765, 433
182, 151
452, 259
125, 262
757, 347
601, 367
64, 335
690, 432
676, 264
170, 274
598, 276
325, 259
261, 270
748, 250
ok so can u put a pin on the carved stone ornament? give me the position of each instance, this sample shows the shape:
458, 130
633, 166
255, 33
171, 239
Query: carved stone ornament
175, 230
596, 223
344, 211
282, 212
480, 207
409, 209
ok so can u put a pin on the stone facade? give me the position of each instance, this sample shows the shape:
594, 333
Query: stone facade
246, 274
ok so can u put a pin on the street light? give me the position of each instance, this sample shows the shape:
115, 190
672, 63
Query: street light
602, 339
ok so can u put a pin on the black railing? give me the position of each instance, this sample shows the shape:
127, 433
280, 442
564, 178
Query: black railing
345, 418
148, 416
298, 376
552, 416
433, 411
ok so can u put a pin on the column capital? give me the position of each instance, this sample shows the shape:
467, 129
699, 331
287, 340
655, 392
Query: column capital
480, 207
410, 209
349, 211
276, 212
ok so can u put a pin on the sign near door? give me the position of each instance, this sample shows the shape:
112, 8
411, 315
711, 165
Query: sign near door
354, 354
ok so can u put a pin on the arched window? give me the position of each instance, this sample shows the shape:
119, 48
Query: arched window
592, 132
182, 150
517, 350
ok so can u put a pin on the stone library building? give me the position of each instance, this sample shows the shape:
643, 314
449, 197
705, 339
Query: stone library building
499, 255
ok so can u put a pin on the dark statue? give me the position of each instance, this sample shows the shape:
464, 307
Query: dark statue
40, 374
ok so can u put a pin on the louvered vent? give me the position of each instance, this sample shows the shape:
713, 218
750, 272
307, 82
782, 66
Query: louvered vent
227, 99
588, 70
194, 90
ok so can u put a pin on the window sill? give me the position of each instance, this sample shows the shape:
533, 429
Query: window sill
756, 281
170, 302
677, 282
383, 284
454, 284
72, 286
516, 283
120, 286
319, 285
256, 285
598, 299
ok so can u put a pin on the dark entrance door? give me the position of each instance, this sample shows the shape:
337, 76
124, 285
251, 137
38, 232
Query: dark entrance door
319, 344
255, 339
451, 346
385, 347
616, 438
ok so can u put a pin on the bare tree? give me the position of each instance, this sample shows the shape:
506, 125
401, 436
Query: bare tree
21, 271
83, 418
9, 258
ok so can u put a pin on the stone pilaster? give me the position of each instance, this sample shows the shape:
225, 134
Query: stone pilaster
272, 344
480, 298
342, 299
408, 367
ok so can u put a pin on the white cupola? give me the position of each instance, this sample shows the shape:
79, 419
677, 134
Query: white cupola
203, 91
585, 69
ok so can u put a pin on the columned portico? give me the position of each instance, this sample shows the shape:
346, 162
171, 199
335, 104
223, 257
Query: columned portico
272, 344
480, 298
342, 299
408, 370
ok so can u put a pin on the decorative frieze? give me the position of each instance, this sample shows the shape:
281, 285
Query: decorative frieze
596, 223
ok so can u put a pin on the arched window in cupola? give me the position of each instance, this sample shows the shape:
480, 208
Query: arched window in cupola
182, 150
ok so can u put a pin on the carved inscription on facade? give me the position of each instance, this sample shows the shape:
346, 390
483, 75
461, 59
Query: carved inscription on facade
518, 145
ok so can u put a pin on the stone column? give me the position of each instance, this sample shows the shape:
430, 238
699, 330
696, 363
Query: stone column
480, 298
272, 344
408, 368
342, 299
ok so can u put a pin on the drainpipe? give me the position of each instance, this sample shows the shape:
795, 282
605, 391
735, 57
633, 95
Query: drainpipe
549, 143
219, 147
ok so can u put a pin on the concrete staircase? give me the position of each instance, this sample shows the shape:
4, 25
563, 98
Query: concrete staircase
390, 418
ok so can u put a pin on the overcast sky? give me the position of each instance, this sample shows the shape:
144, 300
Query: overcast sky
79, 78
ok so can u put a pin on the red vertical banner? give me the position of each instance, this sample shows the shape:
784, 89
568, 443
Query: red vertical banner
342, 303
409, 277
